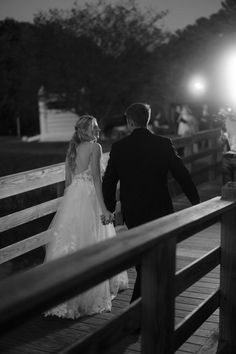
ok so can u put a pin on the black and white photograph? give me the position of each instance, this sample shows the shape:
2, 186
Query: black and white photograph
117, 176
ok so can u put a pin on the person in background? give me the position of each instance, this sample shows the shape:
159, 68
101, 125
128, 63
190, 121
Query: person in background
159, 123
229, 156
205, 118
187, 126
205, 123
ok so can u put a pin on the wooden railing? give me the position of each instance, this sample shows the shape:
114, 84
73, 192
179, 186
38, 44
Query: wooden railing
153, 245
38, 178
41, 177
201, 145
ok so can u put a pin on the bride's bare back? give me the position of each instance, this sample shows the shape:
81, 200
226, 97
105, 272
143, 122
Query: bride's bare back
83, 157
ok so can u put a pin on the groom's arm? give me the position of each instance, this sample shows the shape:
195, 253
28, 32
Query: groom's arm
109, 183
182, 175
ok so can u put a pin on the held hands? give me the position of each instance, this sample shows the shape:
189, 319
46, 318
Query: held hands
107, 217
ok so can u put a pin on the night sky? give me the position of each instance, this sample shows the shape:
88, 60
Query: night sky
181, 12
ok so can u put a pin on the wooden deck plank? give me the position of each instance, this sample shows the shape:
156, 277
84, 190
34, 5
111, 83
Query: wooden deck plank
210, 346
190, 348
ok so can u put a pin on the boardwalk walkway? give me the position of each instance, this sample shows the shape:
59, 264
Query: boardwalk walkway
51, 334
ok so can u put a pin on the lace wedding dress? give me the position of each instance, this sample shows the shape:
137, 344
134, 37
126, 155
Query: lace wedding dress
77, 225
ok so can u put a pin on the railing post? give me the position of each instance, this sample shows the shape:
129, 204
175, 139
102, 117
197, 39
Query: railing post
42, 112
227, 326
158, 295
213, 172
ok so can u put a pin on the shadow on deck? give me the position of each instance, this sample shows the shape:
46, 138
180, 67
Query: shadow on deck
52, 334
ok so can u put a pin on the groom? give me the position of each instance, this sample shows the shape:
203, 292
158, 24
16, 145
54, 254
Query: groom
141, 162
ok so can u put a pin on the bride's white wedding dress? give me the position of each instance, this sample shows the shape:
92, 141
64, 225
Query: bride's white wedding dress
76, 225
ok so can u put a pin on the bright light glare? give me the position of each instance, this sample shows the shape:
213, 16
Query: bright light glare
197, 85
230, 76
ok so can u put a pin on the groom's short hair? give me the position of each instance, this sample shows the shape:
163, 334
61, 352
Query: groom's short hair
139, 113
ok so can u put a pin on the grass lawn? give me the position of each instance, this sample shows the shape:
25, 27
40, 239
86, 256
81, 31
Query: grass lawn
18, 156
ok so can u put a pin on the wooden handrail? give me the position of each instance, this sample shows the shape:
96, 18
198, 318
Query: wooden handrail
21, 247
196, 270
201, 154
28, 244
39, 288
23, 216
26, 181
25, 295
41, 177
187, 140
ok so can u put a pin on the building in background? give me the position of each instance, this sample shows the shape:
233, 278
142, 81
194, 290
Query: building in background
56, 121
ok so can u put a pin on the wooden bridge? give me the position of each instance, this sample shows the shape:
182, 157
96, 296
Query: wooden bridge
188, 266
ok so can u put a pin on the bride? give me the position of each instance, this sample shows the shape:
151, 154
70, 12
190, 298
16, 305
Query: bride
77, 223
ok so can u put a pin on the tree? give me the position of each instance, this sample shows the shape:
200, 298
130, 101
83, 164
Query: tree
94, 56
19, 77
229, 5
111, 27
115, 42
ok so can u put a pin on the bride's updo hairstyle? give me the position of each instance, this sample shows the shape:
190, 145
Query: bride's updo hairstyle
80, 135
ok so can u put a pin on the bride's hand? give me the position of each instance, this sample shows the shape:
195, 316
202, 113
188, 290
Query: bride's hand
107, 217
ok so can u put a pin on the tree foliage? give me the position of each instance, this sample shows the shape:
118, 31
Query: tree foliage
105, 56
111, 44
229, 5
113, 28
95, 54
19, 76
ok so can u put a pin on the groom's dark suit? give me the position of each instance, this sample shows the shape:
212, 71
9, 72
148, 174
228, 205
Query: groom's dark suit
141, 163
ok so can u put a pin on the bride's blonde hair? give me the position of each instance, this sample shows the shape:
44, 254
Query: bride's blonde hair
80, 135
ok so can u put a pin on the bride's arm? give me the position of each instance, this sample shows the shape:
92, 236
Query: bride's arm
96, 172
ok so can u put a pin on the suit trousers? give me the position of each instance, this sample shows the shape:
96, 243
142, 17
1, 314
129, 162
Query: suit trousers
137, 286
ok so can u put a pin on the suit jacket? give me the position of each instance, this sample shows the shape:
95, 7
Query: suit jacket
141, 162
